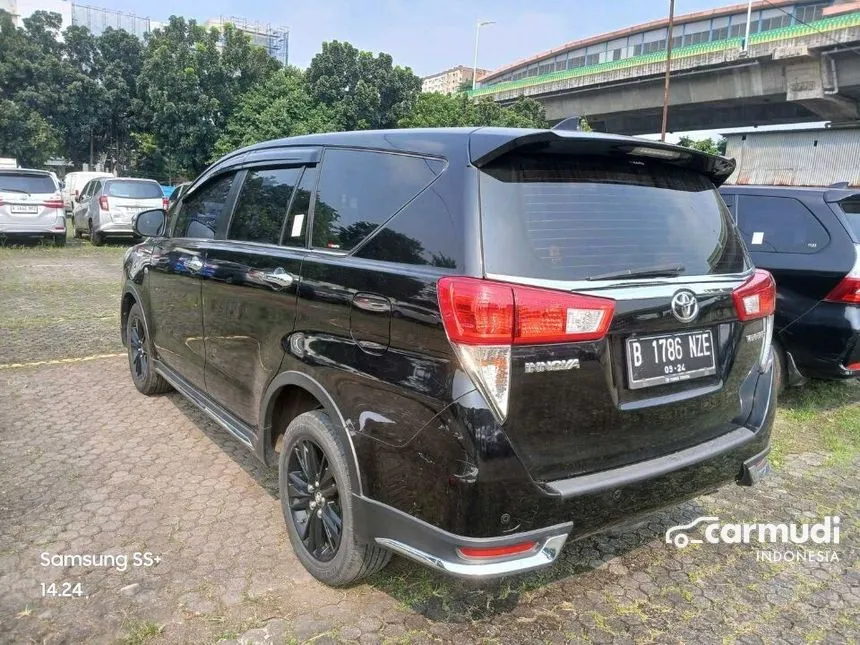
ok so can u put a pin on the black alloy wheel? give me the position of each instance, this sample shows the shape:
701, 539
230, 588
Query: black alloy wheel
314, 500
139, 356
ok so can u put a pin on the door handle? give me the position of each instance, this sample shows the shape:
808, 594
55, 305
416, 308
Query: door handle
279, 278
194, 264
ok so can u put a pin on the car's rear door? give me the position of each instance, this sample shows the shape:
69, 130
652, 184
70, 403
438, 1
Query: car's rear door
177, 269
619, 223
127, 197
253, 272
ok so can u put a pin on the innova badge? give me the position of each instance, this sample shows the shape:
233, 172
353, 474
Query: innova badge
685, 306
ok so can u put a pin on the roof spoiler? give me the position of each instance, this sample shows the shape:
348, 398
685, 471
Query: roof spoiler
494, 143
841, 193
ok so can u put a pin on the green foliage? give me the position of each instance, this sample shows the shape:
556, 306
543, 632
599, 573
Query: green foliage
705, 145
279, 107
435, 110
365, 91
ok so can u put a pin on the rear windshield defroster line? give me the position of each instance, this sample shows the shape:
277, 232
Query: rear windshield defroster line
570, 218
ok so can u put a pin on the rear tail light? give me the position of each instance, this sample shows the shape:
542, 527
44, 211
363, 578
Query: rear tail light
848, 291
496, 551
165, 203
103, 203
53, 203
853, 367
755, 299
483, 319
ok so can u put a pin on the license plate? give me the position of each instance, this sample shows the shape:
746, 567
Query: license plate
669, 358
30, 209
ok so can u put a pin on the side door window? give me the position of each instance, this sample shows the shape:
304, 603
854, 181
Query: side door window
262, 205
359, 190
201, 213
779, 225
295, 231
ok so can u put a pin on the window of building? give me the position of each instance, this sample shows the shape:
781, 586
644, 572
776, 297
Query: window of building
809, 13
576, 61
592, 59
779, 225
202, 213
774, 19
739, 30
262, 205
545, 68
360, 189
722, 33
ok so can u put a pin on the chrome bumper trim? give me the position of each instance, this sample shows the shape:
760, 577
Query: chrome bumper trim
545, 555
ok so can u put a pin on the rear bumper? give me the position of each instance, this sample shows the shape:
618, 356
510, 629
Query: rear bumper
580, 506
14, 229
116, 228
825, 341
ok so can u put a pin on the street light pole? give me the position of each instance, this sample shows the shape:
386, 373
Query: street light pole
668, 70
478, 26
749, 16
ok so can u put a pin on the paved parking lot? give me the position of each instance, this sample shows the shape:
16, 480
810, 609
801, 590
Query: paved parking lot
88, 466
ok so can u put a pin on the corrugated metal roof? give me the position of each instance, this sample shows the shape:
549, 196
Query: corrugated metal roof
796, 157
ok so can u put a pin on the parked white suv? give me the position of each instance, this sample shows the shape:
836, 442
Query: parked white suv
106, 206
31, 205
74, 183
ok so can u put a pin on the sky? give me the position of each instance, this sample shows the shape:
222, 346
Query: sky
426, 36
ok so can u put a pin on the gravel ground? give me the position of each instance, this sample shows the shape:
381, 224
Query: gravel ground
89, 466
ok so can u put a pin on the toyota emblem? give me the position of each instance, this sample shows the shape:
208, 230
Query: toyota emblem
685, 306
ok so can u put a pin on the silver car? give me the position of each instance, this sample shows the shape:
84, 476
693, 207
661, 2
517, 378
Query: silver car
31, 205
106, 206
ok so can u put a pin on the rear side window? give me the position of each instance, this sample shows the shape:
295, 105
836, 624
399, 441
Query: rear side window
26, 183
574, 218
360, 189
133, 189
851, 207
297, 219
779, 225
262, 205
201, 213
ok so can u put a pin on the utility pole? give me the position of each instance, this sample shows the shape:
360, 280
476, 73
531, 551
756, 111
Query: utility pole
480, 24
668, 69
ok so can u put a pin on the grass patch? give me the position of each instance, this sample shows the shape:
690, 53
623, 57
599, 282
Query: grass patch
141, 631
821, 416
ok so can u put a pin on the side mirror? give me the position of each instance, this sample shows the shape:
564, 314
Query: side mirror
149, 223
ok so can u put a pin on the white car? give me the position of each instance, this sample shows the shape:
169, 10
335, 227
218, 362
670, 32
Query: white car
74, 183
107, 205
31, 205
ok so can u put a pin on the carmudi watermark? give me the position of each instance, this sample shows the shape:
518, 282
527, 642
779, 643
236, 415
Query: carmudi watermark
775, 542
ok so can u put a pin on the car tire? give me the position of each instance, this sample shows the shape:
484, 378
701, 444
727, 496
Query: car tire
311, 535
96, 238
140, 355
60, 239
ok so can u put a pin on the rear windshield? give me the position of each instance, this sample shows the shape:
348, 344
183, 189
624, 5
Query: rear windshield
26, 183
134, 189
574, 218
852, 211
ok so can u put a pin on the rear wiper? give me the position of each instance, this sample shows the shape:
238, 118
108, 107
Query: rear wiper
662, 271
13, 190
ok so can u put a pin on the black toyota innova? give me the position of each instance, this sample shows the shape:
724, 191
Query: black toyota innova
465, 346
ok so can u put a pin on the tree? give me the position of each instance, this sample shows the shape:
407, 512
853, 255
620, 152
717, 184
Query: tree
365, 91
190, 80
25, 135
705, 145
280, 107
435, 110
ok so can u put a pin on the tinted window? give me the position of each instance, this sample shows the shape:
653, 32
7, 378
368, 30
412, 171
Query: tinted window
428, 232
201, 213
262, 205
26, 183
359, 190
779, 225
88, 189
570, 218
297, 220
852, 211
134, 189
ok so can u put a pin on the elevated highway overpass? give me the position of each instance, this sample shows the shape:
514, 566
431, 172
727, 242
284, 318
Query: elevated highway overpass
795, 73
